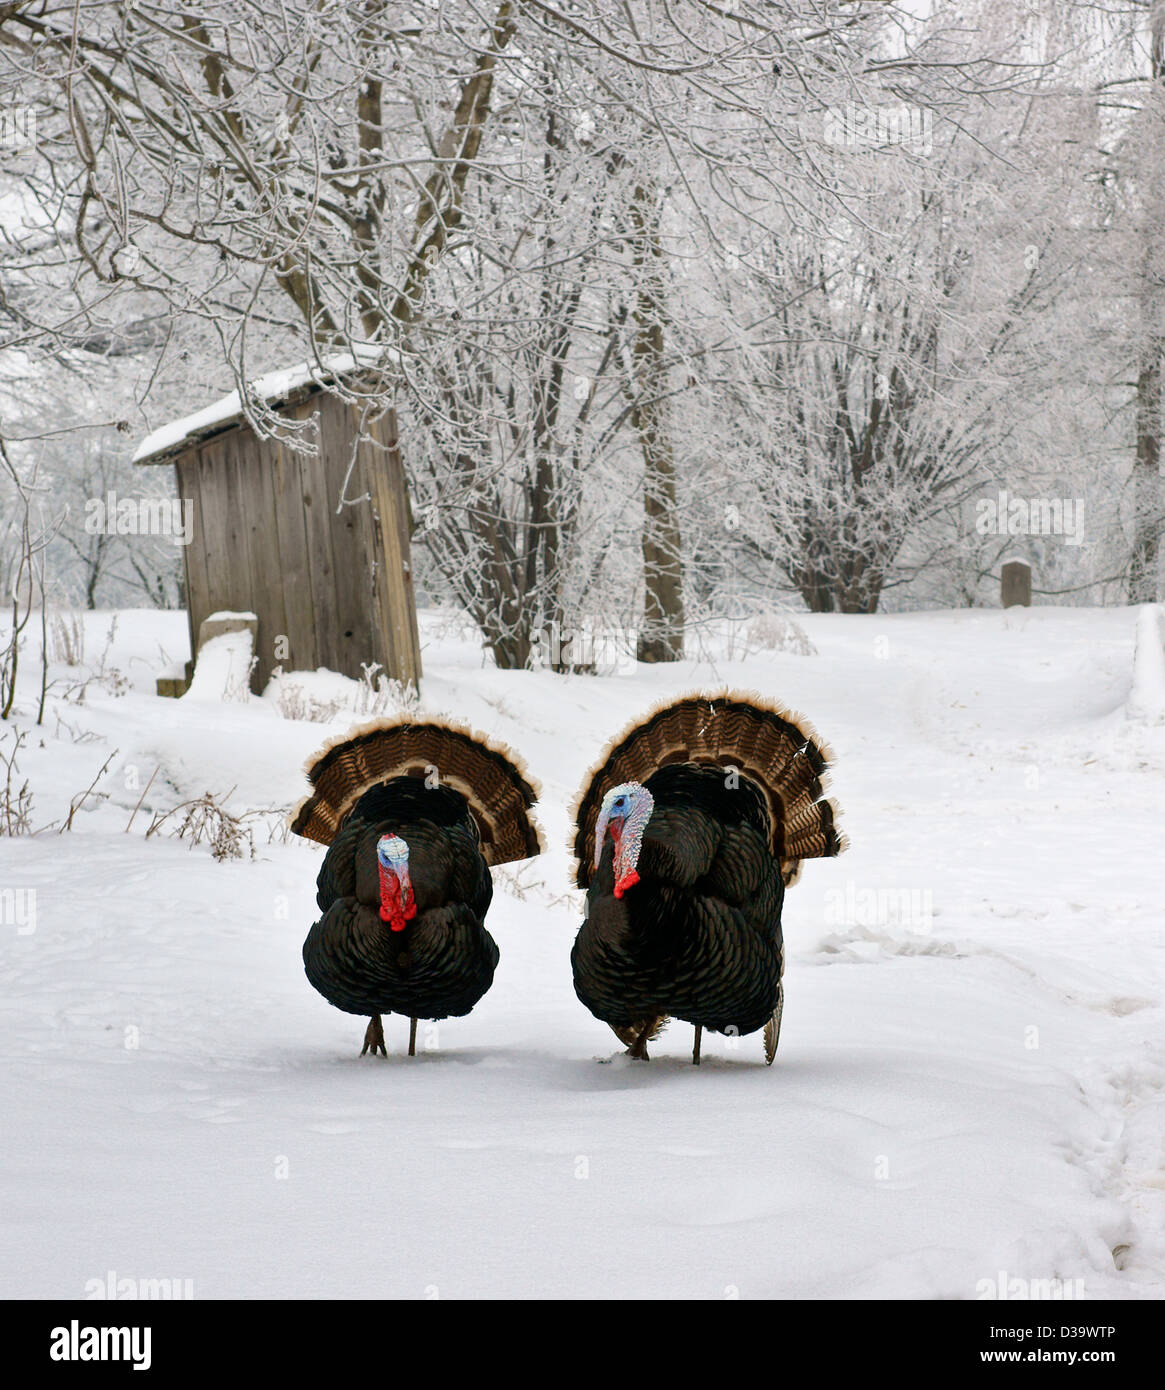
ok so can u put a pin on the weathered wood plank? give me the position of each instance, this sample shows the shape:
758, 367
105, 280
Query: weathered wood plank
355, 638
373, 482
189, 484
269, 580
373, 618
394, 581
320, 559
242, 566
216, 536
294, 563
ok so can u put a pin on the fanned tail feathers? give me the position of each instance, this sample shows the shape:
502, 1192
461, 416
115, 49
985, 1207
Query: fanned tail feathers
773, 1027
776, 750
489, 776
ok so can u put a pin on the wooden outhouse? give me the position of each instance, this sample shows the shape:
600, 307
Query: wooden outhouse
331, 585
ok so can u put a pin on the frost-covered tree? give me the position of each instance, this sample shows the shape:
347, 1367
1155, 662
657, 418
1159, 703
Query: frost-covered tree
673, 299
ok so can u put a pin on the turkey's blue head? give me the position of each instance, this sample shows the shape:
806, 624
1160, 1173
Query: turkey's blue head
624, 815
397, 905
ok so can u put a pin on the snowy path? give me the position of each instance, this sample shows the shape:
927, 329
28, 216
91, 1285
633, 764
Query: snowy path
976, 1092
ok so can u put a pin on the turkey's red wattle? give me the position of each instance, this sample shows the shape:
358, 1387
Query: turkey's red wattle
623, 881
392, 910
629, 880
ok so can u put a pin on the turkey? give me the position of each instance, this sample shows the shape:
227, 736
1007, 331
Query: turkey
413, 814
688, 831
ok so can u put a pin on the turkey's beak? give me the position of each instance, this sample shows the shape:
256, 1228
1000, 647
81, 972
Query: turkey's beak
601, 835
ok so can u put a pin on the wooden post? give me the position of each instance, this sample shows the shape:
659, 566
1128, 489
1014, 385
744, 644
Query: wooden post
218, 623
1015, 589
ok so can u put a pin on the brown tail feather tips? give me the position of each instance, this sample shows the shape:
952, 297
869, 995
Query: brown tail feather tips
774, 748
490, 776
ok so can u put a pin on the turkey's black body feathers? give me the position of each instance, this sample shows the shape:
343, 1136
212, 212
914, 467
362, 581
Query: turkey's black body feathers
444, 960
699, 936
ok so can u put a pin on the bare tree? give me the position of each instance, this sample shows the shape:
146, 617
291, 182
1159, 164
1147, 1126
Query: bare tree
1148, 512
531, 208
26, 585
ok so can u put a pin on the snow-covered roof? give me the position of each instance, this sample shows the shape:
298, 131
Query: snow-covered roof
274, 389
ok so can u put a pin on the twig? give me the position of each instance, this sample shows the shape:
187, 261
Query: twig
77, 802
141, 798
16, 812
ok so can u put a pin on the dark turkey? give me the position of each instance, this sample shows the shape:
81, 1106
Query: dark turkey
687, 834
414, 815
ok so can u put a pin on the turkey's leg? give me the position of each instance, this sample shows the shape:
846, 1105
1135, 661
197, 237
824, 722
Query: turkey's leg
412, 1037
374, 1038
638, 1048
696, 1048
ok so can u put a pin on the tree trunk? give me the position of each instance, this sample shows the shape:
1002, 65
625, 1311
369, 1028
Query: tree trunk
838, 570
1147, 481
812, 581
661, 637
91, 582
1147, 502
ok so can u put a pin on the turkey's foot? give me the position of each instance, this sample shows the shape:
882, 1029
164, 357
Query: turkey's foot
374, 1038
638, 1048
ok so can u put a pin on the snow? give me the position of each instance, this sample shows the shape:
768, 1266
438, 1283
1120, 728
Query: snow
1147, 697
271, 389
323, 695
223, 668
974, 1089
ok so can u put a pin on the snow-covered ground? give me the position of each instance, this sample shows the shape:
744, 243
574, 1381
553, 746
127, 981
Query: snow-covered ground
972, 1067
